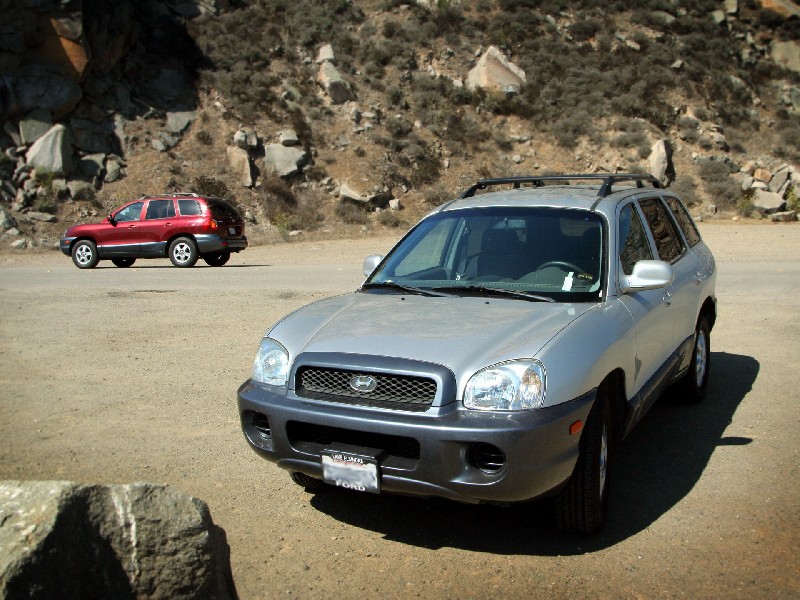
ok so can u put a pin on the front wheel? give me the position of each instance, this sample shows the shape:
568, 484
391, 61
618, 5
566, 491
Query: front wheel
308, 483
123, 263
581, 505
692, 387
84, 254
217, 259
183, 252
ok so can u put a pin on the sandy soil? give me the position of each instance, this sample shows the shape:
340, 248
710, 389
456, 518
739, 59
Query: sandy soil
119, 375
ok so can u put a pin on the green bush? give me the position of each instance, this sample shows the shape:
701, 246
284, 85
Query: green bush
351, 214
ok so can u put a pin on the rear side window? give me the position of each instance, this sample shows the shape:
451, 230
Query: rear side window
189, 207
668, 243
683, 220
633, 244
160, 209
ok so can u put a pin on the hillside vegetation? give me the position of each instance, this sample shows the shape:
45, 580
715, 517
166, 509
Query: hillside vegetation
603, 82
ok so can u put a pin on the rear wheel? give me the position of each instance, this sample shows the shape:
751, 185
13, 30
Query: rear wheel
84, 254
183, 252
123, 263
581, 505
217, 259
692, 388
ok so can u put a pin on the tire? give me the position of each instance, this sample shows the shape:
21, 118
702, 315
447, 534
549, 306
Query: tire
183, 252
581, 504
123, 263
84, 254
692, 387
308, 483
217, 259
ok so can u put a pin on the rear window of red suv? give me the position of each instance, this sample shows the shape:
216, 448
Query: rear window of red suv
189, 207
222, 210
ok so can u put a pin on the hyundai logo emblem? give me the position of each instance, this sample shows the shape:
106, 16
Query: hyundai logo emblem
363, 383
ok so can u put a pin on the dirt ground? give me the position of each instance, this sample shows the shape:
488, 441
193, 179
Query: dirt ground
117, 375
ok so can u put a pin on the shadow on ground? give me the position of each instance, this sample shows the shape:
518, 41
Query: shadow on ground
658, 464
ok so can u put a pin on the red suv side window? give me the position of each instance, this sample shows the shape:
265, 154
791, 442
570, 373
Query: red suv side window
189, 207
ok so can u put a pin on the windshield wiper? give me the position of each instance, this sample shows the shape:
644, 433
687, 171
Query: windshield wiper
490, 291
405, 288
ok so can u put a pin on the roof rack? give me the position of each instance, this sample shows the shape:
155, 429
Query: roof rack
539, 180
170, 194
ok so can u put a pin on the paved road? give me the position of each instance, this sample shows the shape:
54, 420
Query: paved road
129, 375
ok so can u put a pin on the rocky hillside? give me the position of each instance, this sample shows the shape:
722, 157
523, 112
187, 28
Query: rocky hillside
341, 116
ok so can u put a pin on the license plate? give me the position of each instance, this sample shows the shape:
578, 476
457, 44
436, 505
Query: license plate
232, 230
350, 471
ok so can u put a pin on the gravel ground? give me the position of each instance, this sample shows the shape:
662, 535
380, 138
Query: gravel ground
117, 375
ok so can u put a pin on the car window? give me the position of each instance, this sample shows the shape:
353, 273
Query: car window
633, 244
188, 208
429, 252
160, 209
222, 210
132, 212
669, 244
683, 220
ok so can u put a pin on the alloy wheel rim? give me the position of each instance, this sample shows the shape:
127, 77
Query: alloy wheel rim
181, 253
700, 358
83, 255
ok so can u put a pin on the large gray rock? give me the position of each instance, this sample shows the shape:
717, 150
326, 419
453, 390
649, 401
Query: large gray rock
334, 84
787, 55
46, 87
767, 202
661, 161
34, 126
52, 152
6, 220
495, 71
778, 179
284, 161
64, 540
179, 120
239, 162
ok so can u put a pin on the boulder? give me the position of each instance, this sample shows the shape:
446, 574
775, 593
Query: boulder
349, 194
6, 220
41, 217
92, 165
34, 126
762, 175
787, 55
660, 161
326, 54
288, 137
334, 84
179, 120
46, 87
784, 217
65, 540
52, 152
767, 202
495, 71
113, 170
785, 8
239, 162
778, 179
284, 161
90, 136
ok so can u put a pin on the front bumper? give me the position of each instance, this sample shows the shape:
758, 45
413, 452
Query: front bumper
211, 242
431, 453
65, 243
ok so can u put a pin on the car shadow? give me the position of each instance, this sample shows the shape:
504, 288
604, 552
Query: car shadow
657, 465
197, 266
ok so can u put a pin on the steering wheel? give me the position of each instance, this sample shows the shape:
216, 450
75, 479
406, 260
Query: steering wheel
561, 263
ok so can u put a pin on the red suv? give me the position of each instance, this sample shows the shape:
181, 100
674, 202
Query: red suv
184, 227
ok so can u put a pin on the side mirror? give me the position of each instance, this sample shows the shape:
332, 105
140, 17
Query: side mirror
371, 263
647, 275
112, 220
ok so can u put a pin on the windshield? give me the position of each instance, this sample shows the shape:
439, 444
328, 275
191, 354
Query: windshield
549, 252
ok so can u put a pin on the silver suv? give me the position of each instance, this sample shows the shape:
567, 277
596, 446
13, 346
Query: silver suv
499, 352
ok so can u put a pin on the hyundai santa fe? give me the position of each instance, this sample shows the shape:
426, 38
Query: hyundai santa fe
182, 226
499, 352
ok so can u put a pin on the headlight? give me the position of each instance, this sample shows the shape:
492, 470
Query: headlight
515, 385
272, 363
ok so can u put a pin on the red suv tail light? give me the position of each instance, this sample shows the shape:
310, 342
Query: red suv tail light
212, 224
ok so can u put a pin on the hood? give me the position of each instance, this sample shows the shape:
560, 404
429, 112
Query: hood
463, 334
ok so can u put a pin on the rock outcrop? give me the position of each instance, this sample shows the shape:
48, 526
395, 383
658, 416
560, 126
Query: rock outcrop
65, 540
495, 72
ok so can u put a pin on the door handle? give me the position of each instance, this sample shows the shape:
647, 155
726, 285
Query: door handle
167, 224
698, 277
667, 298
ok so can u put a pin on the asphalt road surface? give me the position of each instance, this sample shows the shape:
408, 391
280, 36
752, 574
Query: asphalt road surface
123, 375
